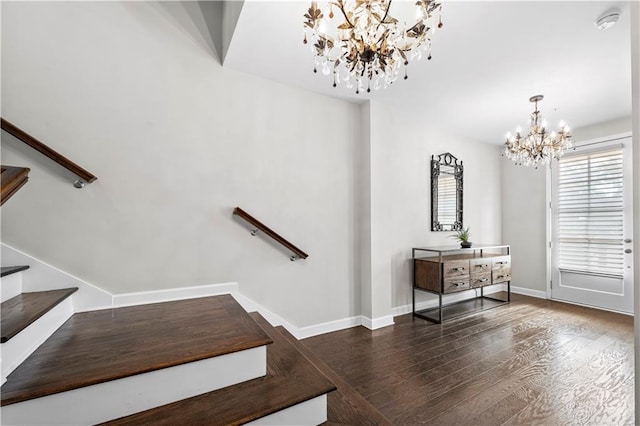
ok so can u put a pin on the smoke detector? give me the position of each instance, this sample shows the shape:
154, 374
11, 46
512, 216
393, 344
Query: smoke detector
608, 19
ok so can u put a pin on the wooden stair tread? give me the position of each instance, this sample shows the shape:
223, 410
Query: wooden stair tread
291, 379
21, 311
8, 270
346, 405
98, 346
11, 180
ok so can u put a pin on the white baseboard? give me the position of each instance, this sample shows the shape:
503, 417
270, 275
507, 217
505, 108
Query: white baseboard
172, 294
376, 323
529, 292
117, 398
327, 327
446, 299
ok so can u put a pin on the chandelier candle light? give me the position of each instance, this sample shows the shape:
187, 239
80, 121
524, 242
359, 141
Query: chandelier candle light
369, 44
539, 146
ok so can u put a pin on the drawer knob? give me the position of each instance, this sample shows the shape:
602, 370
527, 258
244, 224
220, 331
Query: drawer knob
458, 284
458, 269
502, 276
502, 263
482, 266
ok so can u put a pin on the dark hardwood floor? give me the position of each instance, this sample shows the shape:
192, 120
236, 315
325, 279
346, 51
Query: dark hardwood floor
532, 362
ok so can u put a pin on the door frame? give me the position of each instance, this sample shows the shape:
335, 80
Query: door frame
549, 219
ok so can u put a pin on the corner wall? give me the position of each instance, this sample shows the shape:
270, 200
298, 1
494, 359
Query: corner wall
401, 148
132, 92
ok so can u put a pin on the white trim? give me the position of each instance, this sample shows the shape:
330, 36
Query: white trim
376, 323
327, 327
529, 292
448, 299
117, 398
549, 231
14, 351
310, 412
609, 138
592, 307
172, 294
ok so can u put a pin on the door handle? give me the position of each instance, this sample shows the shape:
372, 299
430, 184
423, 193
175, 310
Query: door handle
627, 240
627, 251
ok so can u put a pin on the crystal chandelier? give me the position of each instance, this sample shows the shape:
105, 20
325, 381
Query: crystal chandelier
539, 146
368, 46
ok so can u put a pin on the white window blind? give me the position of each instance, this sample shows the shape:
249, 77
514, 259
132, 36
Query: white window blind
590, 213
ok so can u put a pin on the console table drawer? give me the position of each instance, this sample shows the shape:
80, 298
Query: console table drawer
502, 262
480, 266
455, 268
501, 276
480, 280
451, 285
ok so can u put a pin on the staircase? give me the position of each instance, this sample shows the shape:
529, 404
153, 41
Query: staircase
195, 361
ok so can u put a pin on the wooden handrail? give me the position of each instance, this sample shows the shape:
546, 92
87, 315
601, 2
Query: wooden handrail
11, 180
83, 174
298, 254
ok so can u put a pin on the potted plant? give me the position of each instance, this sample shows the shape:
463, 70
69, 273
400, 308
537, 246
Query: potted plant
463, 236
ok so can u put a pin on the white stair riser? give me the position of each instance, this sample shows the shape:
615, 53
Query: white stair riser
20, 346
10, 286
311, 412
117, 398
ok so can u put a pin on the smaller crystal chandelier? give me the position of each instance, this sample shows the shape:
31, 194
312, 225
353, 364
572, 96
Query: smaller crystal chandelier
369, 45
539, 146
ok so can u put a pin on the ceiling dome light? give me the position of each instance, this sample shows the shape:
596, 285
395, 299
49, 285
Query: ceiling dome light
608, 19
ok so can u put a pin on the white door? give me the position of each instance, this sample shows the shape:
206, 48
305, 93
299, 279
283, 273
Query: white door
591, 226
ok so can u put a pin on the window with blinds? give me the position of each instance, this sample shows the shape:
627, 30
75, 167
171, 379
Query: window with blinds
447, 198
590, 213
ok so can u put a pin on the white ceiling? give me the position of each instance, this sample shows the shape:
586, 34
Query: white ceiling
488, 59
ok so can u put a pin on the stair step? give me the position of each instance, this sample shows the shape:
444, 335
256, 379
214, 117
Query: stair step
291, 379
11, 180
346, 405
8, 270
21, 311
101, 346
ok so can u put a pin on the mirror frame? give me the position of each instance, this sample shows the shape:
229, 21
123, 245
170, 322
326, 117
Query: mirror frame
446, 159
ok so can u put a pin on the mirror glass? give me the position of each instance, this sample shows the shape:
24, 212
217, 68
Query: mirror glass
446, 193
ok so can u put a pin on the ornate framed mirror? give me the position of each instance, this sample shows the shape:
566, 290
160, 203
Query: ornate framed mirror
446, 193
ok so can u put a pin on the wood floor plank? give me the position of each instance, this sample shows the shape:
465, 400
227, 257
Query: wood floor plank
23, 310
533, 362
345, 405
94, 347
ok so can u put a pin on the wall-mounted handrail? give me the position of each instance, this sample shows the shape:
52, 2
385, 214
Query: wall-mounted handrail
259, 226
84, 175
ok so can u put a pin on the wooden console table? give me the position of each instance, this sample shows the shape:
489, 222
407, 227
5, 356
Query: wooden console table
447, 270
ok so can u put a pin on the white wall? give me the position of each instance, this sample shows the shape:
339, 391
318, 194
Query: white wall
401, 148
635, 97
132, 92
135, 93
524, 223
